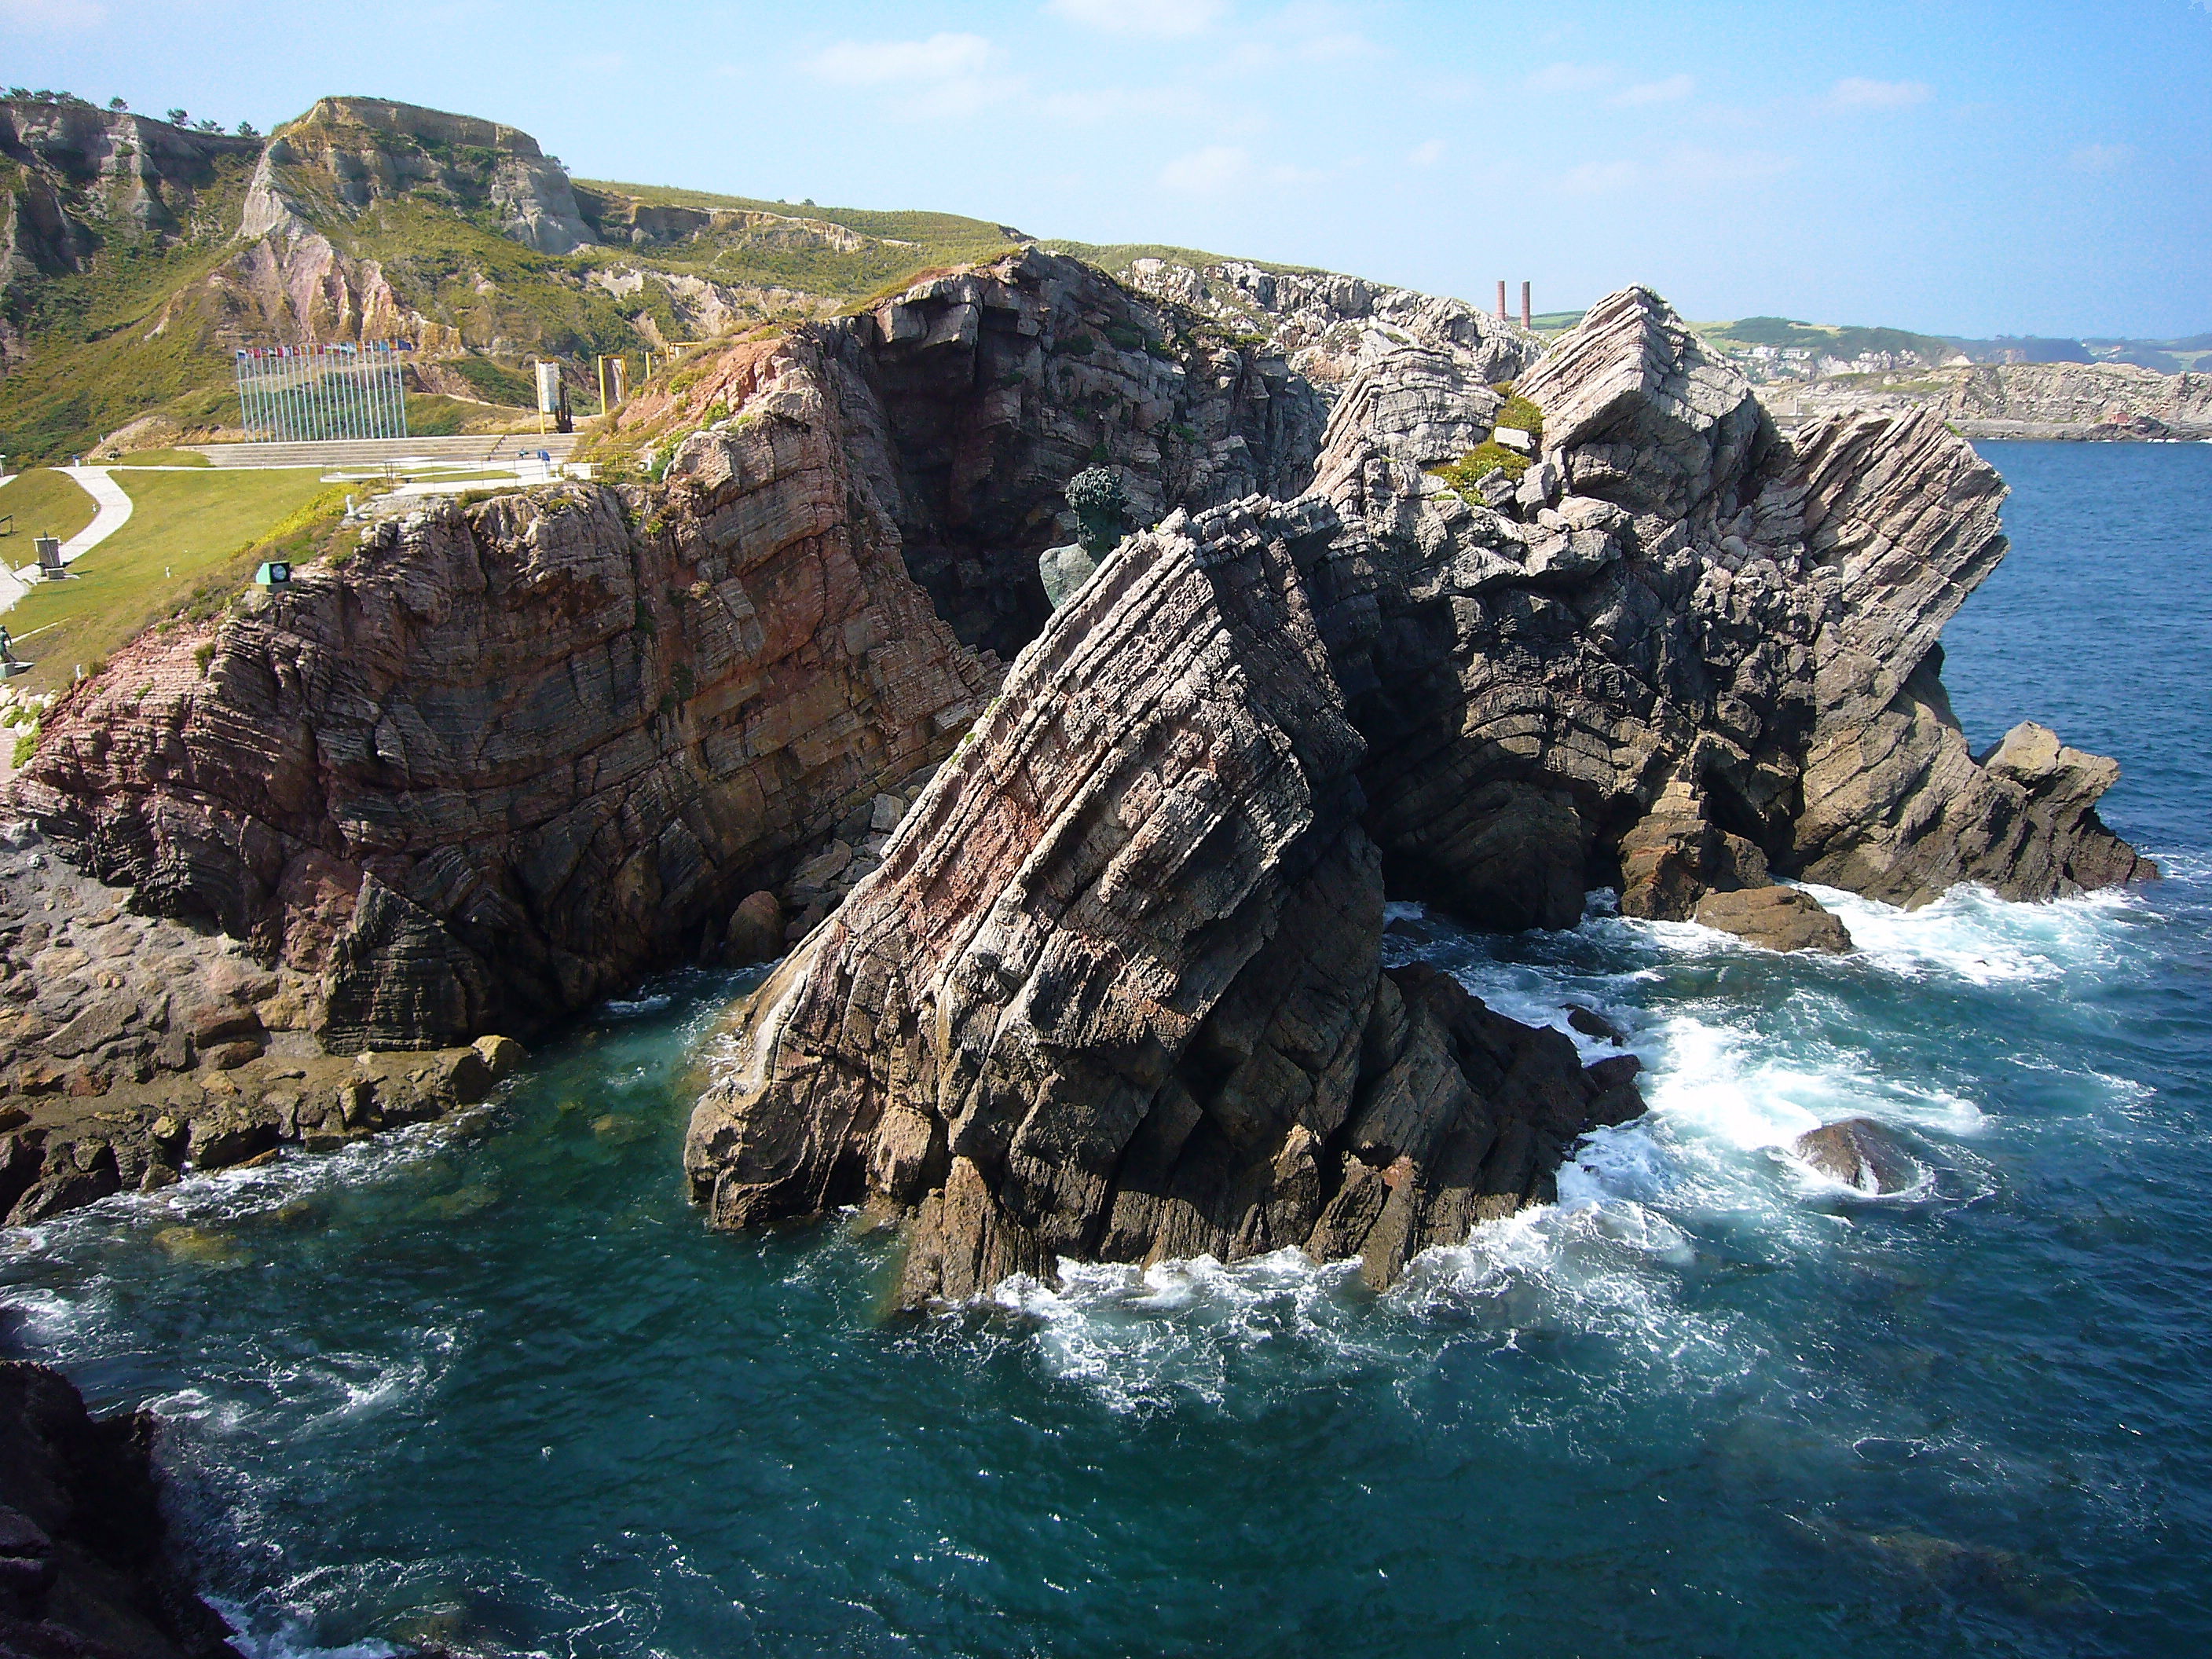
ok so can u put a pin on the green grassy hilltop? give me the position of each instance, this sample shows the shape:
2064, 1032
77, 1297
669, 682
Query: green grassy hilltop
397, 224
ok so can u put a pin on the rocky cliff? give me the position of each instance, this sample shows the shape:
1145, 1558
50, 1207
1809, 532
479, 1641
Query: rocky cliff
1114, 991
72, 176
2021, 400
497, 760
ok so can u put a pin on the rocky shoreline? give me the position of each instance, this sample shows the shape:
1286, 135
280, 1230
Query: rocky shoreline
495, 762
134, 1049
2091, 403
1114, 993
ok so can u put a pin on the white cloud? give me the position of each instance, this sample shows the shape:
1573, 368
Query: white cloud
1573, 77
1161, 19
1428, 154
1854, 92
2102, 158
879, 63
1203, 171
1338, 48
1692, 168
53, 14
1656, 92
1092, 105
944, 76
1601, 177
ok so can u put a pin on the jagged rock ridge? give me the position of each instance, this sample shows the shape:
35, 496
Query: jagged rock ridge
1114, 991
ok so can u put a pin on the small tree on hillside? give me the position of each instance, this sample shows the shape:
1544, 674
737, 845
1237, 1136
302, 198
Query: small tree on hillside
177, 117
118, 106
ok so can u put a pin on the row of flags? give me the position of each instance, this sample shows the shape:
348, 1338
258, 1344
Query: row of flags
339, 348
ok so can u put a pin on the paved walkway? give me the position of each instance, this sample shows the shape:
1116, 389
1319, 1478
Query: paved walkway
114, 510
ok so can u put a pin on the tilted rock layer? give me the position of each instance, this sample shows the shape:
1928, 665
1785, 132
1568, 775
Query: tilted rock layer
1114, 991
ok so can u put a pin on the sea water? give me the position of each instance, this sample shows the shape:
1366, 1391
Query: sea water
495, 1389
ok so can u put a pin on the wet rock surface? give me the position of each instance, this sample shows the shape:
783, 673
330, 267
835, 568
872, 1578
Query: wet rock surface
86, 1570
135, 1049
1777, 918
1862, 1154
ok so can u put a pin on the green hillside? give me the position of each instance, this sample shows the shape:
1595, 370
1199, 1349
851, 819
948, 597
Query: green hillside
399, 224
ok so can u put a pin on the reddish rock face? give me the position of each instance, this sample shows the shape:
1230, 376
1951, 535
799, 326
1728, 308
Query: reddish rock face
1115, 991
501, 760
1111, 986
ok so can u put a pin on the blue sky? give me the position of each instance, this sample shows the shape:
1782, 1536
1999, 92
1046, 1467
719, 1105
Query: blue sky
1958, 168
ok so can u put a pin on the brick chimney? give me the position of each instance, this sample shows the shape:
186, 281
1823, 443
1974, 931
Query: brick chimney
1528, 317
1501, 299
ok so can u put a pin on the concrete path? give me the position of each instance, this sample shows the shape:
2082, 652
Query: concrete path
114, 510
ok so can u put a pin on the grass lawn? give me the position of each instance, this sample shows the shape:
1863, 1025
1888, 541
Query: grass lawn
188, 531
45, 503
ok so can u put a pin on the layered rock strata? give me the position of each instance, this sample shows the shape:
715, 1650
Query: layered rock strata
1114, 991
501, 760
2116, 401
135, 1049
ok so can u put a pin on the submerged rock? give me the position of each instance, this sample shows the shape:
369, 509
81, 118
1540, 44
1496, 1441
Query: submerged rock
1860, 1153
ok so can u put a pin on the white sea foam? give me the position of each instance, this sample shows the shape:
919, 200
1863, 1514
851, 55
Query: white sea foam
1971, 935
1147, 1338
291, 1638
1731, 1083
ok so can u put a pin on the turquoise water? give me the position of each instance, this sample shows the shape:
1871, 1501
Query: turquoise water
497, 1390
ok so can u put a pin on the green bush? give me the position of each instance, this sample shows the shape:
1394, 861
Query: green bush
1523, 416
1477, 463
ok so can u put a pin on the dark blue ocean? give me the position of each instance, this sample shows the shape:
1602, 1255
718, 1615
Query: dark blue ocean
499, 1392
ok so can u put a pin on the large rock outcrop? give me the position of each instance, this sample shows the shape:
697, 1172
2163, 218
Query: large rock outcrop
1114, 992
498, 761
2019, 400
501, 760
